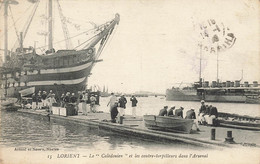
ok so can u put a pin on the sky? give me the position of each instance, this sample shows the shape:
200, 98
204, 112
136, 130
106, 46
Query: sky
155, 45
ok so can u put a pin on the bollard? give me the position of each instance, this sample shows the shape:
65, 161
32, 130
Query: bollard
213, 134
229, 138
121, 120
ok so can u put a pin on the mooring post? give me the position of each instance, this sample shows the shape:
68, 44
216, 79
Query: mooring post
213, 134
229, 138
121, 120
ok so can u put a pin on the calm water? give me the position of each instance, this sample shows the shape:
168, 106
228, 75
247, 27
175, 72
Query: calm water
152, 105
18, 130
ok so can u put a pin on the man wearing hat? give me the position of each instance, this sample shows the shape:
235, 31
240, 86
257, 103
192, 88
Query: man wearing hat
213, 114
202, 112
122, 105
51, 100
92, 103
190, 114
134, 102
170, 111
163, 112
66, 99
62, 100
179, 112
84, 103
34, 101
39, 99
112, 101
44, 96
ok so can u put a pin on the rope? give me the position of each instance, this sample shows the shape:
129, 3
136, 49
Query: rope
19, 18
16, 31
102, 48
85, 32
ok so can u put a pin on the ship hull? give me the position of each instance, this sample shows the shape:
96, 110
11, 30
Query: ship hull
179, 95
59, 80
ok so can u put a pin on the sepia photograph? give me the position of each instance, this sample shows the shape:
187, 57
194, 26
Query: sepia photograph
129, 81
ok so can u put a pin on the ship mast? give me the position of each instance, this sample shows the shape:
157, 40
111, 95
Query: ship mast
50, 44
200, 61
6, 5
5, 29
217, 67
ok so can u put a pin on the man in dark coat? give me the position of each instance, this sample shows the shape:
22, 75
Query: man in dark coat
34, 102
163, 112
134, 102
121, 104
170, 112
190, 114
114, 112
202, 112
39, 100
203, 107
179, 112
44, 101
213, 115
213, 111
73, 98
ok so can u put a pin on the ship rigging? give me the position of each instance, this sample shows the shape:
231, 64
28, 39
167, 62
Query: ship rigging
61, 70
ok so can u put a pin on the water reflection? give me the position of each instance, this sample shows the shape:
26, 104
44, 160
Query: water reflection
20, 130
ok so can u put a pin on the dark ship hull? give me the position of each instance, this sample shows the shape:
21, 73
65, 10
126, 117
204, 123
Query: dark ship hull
61, 79
225, 93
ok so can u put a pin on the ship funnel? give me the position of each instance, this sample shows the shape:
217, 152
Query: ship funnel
227, 83
205, 84
255, 84
246, 84
237, 83
232, 84
214, 84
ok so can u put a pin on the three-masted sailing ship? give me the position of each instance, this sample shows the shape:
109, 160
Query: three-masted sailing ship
57, 70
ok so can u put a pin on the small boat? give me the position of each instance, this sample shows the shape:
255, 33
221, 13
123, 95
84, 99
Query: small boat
10, 104
238, 121
27, 91
164, 123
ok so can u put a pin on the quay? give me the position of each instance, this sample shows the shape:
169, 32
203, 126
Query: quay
136, 128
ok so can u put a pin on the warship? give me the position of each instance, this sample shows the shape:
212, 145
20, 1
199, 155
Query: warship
23, 71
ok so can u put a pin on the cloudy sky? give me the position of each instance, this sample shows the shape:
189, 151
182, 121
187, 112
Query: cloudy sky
155, 45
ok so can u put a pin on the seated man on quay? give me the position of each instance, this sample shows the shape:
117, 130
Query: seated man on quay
202, 112
170, 111
179, 112
163, 112
212, 115
190, 114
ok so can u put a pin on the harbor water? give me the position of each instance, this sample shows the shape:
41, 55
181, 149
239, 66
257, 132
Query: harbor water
19, 130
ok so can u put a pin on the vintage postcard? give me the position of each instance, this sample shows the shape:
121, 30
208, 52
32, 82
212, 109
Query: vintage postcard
129, 81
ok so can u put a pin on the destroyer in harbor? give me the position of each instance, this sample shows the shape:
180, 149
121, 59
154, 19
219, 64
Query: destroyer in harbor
228, 91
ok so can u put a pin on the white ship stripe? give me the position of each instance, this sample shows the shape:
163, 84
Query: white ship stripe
67, 69
58, 82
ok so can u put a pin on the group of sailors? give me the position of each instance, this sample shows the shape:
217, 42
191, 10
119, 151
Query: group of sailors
206, 116
82, 101
42, 100
118, 106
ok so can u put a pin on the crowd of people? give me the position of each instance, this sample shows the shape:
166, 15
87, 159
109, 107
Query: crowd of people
82, 101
